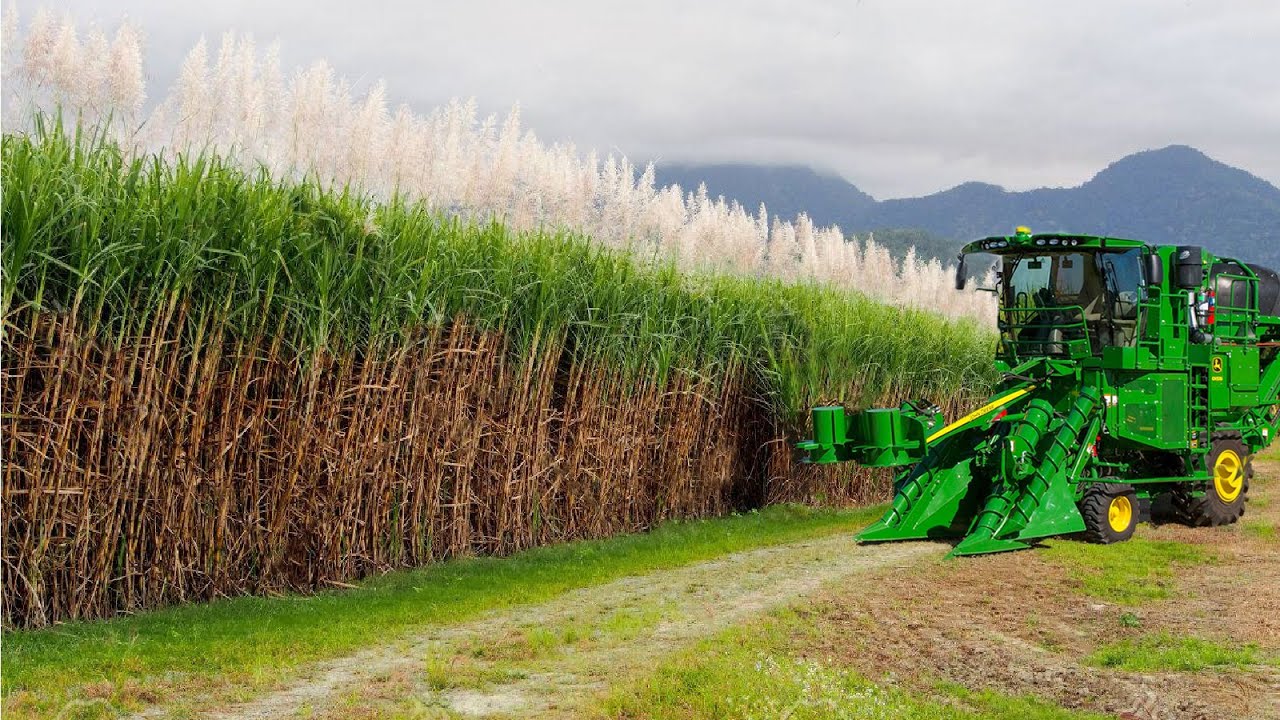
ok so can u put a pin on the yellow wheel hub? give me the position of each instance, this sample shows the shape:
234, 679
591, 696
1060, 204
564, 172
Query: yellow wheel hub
1120, 513
1228, 476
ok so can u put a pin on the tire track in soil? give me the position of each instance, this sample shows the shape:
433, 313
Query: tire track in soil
675, 608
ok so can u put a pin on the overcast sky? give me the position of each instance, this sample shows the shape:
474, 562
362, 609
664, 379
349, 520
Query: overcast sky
902, 97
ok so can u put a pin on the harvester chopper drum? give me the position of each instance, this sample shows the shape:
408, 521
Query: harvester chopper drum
1130, 373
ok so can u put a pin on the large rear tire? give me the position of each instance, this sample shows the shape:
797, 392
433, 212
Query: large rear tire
1230, 468
1110, 512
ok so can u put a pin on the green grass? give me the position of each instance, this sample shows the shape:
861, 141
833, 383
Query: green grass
1127, 573
997, 706
628, 623
252, 640
758, 673
1261, 531
1163, 652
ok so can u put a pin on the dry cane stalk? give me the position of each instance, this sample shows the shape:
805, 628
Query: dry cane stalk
190, 462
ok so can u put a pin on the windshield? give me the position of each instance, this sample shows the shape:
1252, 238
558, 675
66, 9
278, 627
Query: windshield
1050, 280
1070, 302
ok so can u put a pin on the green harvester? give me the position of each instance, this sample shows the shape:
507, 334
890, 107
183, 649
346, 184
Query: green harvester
1133, 375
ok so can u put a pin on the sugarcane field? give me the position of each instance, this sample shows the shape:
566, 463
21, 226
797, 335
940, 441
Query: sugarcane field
823, 361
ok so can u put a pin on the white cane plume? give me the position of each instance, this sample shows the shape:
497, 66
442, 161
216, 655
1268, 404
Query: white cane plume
245, 106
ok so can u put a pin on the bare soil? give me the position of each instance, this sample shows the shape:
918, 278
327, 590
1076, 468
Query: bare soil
1018, 624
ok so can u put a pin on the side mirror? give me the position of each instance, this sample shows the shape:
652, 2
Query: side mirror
1153, 269
962, 273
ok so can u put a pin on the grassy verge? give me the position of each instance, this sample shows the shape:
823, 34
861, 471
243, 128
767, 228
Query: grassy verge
1162, 652
1128, 573
254, 640
761, 672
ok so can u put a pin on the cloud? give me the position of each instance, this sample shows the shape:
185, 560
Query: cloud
903, 97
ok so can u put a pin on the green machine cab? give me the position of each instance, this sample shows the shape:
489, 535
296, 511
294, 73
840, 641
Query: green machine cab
1132, 373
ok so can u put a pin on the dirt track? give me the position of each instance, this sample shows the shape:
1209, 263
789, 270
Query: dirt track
546, 660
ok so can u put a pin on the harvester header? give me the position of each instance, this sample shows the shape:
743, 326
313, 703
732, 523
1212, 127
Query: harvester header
1130, 373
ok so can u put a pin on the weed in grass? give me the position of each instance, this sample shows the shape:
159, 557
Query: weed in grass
990, 705
571, 635
513, 647
465, 672
524, 644
440, 673
1052, 644
543, 641
1130, 620
1163, 651
1261, 531
627, 623
1128, 573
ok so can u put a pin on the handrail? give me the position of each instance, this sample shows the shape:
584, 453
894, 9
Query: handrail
1233, 322
1027, 332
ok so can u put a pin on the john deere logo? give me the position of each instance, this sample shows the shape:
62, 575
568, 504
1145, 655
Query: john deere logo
1217, 364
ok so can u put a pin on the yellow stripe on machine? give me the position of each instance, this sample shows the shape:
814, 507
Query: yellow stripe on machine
989, 407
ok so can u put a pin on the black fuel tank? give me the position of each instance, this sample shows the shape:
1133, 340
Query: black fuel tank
1232, 293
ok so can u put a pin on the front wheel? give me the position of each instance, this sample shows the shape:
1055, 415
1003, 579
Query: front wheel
1110, 512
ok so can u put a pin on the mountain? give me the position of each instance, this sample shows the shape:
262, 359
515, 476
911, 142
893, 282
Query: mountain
1175, 195
787, 190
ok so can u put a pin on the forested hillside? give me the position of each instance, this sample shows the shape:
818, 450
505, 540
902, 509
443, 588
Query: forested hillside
1173, 195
